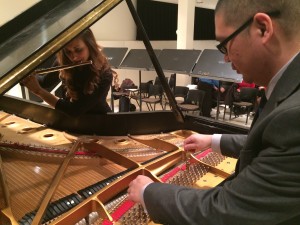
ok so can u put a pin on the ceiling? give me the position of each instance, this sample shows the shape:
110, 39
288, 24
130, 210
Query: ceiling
209, 4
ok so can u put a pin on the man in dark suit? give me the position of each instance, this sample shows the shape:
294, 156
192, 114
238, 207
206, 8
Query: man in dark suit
261, 38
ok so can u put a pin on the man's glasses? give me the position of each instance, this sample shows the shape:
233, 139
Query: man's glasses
222, 46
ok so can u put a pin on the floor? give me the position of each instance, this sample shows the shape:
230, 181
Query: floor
240, 120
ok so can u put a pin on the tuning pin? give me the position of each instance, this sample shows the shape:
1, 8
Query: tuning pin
187, 160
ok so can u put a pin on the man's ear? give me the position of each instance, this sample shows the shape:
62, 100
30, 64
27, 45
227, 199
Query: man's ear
264, 26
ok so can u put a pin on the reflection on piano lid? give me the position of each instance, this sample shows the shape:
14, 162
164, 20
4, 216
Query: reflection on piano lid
211, 65
39, 40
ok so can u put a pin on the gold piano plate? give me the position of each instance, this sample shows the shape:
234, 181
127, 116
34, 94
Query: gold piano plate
207, 181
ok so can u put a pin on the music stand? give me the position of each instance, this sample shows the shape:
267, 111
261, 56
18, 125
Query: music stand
178, 60
115, 55
138, 59
211, 65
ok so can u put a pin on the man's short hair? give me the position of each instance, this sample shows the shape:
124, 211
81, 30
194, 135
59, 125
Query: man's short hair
238, 11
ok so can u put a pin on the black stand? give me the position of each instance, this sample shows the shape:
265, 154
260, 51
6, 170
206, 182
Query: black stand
177, 112
114, 57
138, 59
178, 60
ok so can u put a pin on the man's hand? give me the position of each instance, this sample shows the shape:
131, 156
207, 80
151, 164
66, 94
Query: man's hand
197, 142
136, 189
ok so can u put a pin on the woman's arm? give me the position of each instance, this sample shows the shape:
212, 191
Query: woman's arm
33, 85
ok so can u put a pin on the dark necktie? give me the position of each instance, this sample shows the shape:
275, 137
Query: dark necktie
262, 103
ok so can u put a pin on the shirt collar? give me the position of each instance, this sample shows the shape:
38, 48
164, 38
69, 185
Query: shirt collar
278, 75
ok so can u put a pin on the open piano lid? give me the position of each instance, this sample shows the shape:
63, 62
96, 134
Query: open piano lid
22, 53
37, 40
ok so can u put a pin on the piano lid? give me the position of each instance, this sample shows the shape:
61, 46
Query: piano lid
37, 41
43, 37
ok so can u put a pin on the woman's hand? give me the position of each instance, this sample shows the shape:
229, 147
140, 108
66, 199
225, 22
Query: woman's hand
32, 84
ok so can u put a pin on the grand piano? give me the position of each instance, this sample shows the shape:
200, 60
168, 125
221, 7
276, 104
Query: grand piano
57, 169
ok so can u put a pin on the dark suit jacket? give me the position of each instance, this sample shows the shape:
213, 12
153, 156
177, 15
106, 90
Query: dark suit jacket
266, 186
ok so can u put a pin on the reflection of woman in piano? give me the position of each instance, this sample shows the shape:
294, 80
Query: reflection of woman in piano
86, 87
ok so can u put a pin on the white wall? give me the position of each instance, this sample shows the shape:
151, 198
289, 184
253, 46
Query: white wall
117, 25
117, 29
10, 9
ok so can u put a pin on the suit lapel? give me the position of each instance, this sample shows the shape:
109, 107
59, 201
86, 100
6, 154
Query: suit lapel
286, 86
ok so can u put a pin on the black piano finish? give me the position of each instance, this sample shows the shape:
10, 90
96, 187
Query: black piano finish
114, 123
110, 124
37, 40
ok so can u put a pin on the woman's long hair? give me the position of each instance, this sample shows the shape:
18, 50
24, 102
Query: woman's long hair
116, 80
83, 80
